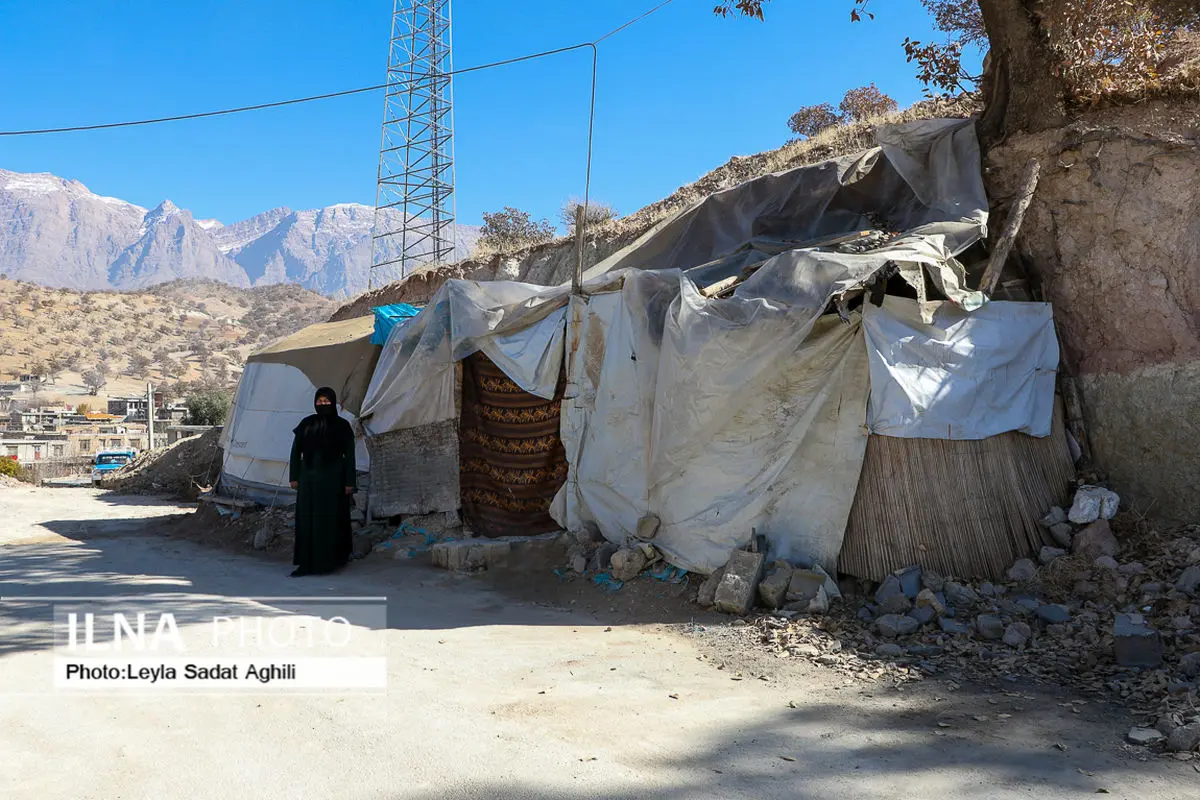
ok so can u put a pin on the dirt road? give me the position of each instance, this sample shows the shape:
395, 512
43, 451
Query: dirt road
492, 697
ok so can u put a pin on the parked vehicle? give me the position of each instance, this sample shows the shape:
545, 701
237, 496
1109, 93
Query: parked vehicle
109, 461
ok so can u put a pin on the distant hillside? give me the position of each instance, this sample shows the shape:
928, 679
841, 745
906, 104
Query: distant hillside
177, 331
56, 232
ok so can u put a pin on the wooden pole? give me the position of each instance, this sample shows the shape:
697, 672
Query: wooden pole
577, 282
1012, 226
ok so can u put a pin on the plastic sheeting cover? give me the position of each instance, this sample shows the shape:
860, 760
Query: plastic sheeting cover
965, 376
387, 317
519, 326
924, 178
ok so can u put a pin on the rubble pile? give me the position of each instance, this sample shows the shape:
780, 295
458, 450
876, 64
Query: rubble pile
1114, 617
185, 469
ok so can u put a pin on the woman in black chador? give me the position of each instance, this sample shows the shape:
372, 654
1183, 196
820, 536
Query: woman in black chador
323, 475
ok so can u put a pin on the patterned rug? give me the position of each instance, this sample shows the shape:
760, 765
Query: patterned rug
511, 458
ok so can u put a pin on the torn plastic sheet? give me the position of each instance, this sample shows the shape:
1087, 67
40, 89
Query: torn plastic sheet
607, 582
670, 574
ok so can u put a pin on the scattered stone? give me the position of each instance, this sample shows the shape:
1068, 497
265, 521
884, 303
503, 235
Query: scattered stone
1049, 554
865, 614
1189, 665
923, 614
1093, 503
1053, 614
889, 650
910, 581
627, 563
1133, 568
1184, 739
986, 589
831, 587
1189, 581
891, 597
960, 595
647, 527
739, 585
602, 559
1027, 604
772, 591
953, 627
706, 596
932, 581
1094, 541
1022, 571
1057, 516
1135, 644
264, 536
891, 626
804, 585
1144, 736
1017, 634
989, 626
579, 564
820, 603
1182, 623
1107, 562
927, 599
1062, 533
1059, 630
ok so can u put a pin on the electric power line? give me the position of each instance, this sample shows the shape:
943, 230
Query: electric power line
345, 93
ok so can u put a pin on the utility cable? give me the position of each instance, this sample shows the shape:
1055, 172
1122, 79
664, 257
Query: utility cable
345, 93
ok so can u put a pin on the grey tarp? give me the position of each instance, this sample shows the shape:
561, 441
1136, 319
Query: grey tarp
718, 416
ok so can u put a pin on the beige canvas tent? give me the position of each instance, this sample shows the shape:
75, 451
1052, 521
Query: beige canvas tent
276, 392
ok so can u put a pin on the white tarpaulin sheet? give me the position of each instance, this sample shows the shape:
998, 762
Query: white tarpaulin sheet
518, 326
965, 376
718, 417
271, 400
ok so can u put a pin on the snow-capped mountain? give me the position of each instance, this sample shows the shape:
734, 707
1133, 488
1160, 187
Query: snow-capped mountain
56, 232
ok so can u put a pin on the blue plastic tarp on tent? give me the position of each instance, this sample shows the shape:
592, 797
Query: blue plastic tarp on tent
387, 317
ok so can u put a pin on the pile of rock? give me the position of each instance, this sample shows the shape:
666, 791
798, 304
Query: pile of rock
1129, 628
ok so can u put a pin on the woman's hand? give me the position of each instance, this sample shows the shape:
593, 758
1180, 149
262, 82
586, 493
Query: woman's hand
295, 484
349, 490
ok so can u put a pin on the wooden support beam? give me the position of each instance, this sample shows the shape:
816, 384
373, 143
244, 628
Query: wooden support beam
1012, 226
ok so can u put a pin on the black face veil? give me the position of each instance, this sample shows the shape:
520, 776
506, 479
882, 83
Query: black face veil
320, 434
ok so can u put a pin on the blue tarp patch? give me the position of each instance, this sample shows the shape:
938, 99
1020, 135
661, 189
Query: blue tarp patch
387, 317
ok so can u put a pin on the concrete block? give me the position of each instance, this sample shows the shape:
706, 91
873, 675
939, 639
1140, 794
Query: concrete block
772, 591
739, 586
910, 581
707, 593
804, 585
1135, 643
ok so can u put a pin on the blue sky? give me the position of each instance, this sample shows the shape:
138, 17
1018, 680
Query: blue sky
678, 94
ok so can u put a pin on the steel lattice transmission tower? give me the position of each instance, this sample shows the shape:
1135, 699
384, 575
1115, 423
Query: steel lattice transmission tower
414, 198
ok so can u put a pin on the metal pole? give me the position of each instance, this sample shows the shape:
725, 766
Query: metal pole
150, 415
577, 281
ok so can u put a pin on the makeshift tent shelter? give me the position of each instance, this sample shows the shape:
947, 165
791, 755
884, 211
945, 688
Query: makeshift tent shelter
723, 373
276, 391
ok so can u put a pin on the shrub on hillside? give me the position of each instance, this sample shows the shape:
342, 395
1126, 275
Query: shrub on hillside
512, 229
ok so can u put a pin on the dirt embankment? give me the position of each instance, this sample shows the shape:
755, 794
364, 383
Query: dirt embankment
1113, 240
182, 470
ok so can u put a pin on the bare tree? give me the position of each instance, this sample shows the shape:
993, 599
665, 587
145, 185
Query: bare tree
94, 380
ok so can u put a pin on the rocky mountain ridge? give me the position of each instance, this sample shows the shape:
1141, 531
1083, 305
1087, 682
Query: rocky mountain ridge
58, 233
